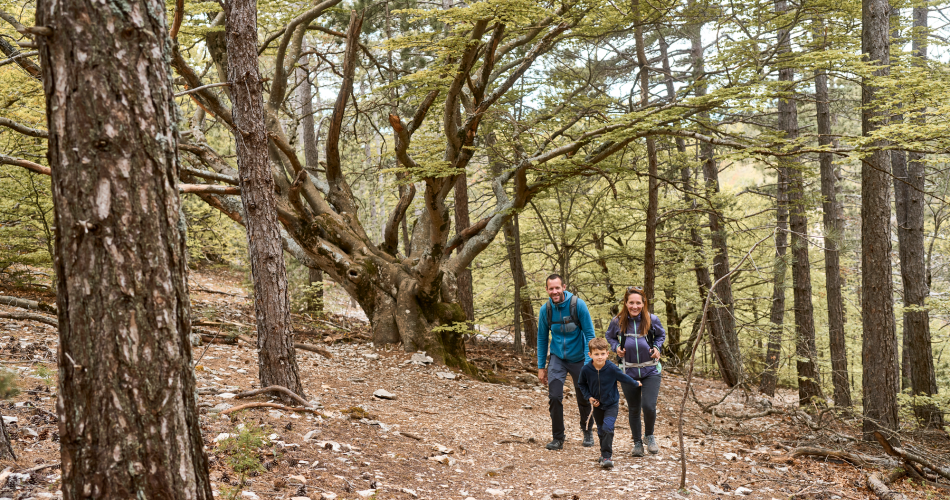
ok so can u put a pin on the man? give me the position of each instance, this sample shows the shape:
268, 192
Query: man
569, 324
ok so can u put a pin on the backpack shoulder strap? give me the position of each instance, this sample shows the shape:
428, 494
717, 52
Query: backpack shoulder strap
550, 314
574, 311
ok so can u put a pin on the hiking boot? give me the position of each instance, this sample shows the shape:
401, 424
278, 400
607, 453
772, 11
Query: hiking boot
557, 444
637, 449
606, 463
651, 445
588, 439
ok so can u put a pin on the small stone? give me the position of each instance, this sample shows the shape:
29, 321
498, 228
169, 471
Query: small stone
742, 490
732, 457
221, 437
9, 420
366, 493
311, 434
384, 394
715, 489
560, 494
446, 375
527, 378
494, 492
327, 496
220, 407
371, 356
443, 459
227, 395
443, 449
29, 432
420, 358
250, 495
409, 492
275, 414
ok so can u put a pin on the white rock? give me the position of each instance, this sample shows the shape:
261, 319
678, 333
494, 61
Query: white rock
732, 457
9, 420
366, 493
242, 371
384, 394
443, 459
560, 494
311, 434
300, 479
29, 431
443, 449
299, 498
250, 495
420, 358
742, 490
715, 489
371, 356
494, 492
327, 496
446, 375
221, 437
410, 492
329, 445
275, 414
227, 395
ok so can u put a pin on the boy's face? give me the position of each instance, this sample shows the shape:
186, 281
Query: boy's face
599, 357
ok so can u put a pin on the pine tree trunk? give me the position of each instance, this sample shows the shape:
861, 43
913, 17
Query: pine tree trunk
128, 418
879, 343
831, 218
649, 253
276, 362
773, 350
809, 386
909, 186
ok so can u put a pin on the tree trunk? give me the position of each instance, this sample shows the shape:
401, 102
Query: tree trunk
649, 253
777, 312
809, 385
276, 361
909, 180
311, 151
517, 275
128, 418
831, 219
879, 343
465, 293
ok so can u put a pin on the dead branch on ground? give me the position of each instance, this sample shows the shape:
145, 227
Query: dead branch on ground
270, 405
313, 348
877, 486
27, 304
273, 388
30, 316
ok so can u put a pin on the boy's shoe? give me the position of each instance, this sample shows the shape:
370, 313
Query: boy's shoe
555, 444
606, 463
588, 439
637, 449
651, 444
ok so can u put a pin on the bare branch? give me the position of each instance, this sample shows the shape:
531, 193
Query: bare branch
27, 164
23, 129
208, 189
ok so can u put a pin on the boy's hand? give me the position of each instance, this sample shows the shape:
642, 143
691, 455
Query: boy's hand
594, 402
641, 383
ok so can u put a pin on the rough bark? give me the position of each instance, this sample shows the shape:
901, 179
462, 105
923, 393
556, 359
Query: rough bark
831, 219
809, 386
777, 311
276, 361
910, 204
128, 421
311, 152
462, 221
879, 340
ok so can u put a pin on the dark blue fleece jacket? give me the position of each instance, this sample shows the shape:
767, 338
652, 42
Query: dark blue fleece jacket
602, 384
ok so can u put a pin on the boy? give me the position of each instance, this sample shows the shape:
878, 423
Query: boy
598, 383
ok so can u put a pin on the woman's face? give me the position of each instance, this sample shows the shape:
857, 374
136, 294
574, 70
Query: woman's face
634, 304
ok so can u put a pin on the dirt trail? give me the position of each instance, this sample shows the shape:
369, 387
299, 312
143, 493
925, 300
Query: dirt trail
442, 437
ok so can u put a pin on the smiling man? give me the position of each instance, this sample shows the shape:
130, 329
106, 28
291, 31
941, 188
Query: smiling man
566, 318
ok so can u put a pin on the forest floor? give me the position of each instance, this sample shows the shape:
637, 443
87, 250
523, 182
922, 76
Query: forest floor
445, 435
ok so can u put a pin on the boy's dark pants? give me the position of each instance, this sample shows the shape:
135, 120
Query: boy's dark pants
606, 417
557, 375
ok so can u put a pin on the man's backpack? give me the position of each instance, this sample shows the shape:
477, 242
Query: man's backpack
571, 320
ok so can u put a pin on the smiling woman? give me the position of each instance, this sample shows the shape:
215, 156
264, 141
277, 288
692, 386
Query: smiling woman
637, 337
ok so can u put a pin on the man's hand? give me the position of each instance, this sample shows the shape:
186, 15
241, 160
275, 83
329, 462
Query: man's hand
543, 375
654, 353
594, 402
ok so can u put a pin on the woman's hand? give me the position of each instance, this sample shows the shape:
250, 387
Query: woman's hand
654, 353
620, 351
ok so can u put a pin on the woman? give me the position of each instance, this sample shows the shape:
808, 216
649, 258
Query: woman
639, 347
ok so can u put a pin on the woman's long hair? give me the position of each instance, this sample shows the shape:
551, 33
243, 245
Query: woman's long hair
623, 315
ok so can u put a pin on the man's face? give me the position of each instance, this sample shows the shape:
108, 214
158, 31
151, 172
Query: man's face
555, 290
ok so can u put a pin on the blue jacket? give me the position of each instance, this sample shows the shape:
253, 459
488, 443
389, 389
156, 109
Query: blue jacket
638, 351
602, 384
571, 347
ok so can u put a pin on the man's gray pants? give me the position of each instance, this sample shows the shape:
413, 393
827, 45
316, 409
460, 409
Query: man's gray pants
557, 375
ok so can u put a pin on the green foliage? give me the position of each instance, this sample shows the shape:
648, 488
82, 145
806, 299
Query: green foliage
244, 455
47, 375
8, 384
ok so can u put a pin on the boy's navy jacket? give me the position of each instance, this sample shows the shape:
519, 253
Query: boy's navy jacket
571, 347
602, 384
638, 350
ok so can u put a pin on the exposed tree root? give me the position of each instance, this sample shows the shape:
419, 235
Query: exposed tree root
313, 348
274, 388
269, 405
911, 458
829, 453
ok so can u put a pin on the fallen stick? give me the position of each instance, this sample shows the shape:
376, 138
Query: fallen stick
214, 339
828, 453
410, 435
897, 451
30, 316
313, 348
877, 486
274, 388
27, 304
40, 467
269, 405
